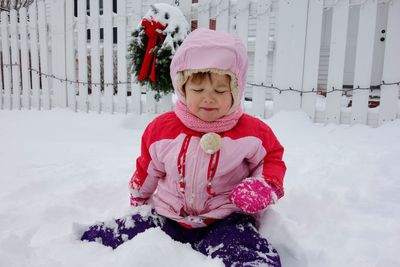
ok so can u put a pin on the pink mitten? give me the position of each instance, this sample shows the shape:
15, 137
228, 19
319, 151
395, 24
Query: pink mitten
252, 195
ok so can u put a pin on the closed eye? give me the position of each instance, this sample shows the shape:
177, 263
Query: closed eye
221, 92
197, 90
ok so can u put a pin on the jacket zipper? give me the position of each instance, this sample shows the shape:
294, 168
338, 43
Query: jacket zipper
190, 199
192, 196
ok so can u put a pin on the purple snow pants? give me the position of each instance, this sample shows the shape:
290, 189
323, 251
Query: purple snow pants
234, 239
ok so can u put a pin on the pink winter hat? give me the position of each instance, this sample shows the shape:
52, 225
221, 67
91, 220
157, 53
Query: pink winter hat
208, 50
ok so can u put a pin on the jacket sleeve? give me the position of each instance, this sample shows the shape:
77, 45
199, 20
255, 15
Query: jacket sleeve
271, 168
145, 178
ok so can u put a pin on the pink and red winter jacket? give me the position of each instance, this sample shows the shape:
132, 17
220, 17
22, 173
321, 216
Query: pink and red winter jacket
250, 149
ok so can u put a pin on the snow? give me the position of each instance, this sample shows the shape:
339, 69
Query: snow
61, 171
173, 18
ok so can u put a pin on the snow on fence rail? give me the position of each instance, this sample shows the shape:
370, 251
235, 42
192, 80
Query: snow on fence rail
47, 59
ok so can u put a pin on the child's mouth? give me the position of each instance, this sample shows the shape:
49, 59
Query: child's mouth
209, 109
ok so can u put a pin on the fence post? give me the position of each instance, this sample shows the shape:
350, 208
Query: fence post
390, 93
26, 83
82, 57
44, 62
151, 104
16, 77
95, 103
70, 57
135, 103
311, 57
203, 20
242, 20
364, 56
261, 57
222, 16
58, 51
122, 52
1, 80
136, 95
108, 56
5, 45
1, 84
165, 103
33, 34
233, 12
290, 49
336, 60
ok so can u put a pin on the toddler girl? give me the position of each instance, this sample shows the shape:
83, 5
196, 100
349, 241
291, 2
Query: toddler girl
206, 168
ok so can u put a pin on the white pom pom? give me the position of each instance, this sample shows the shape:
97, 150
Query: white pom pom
211, 142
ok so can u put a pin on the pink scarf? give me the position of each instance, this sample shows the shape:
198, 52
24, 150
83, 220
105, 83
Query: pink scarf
192, 122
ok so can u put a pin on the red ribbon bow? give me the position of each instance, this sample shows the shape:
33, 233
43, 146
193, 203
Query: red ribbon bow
152, 30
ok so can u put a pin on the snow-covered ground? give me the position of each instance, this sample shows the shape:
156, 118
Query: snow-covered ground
59, 169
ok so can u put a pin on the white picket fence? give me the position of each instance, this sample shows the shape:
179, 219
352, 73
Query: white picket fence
46, 53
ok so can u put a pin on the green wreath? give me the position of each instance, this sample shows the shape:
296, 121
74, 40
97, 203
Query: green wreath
168, 38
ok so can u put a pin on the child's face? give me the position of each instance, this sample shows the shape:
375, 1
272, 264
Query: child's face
209, 98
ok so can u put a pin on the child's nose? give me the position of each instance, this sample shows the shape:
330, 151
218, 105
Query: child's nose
209, 97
